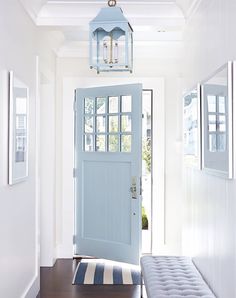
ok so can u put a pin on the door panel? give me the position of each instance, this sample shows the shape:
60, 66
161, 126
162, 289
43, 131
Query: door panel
103, 206
108, 166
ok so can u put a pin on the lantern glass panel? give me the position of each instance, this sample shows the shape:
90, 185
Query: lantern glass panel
130, 49
111, 50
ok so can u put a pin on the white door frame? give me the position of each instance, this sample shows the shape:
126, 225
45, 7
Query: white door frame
65, 210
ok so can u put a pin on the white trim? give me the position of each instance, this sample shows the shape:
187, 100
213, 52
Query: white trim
65, 249
78, 20
154, 2
158, 218
199, 132
194, 161
230, 119
220, 173
193, 8
234, 117
37, 177
46, 104
30, 11
17, 172
32, 289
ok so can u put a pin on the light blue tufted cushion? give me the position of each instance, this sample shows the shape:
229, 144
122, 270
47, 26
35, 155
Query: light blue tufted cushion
173, 277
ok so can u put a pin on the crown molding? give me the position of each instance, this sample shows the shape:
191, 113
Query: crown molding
188, 10
33, 7
30, 11
193, 8
54, 13
135, 2
84, 21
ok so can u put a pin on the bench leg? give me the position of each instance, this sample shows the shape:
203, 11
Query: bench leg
141, 285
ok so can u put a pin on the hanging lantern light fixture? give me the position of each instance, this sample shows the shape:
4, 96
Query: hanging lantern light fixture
111, 40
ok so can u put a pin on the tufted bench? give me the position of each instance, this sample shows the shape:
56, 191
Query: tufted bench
173, 277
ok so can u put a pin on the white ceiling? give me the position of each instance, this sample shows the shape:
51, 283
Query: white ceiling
155, 22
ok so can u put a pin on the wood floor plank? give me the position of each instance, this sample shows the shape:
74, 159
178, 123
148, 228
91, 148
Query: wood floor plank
56, 282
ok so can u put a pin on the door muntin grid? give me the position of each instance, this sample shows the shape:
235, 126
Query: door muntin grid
107, 124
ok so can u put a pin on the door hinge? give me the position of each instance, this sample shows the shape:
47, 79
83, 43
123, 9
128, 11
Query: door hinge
75, 172
140, 186
75, 102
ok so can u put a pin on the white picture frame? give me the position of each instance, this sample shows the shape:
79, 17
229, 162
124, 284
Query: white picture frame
192, 127
217, 122
18, 130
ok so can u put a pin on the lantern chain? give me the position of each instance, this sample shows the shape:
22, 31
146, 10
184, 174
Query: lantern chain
112, 3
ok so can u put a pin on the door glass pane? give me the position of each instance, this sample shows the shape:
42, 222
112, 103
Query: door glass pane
88, 143
101, 105
101, 123
126, 123
113, 104
101, 143
222, 104
211, 99
113, 124
126, 104
212, 143
126, 143
88, 124
113, 143
222, 142
212, 123
88, 105
222, 123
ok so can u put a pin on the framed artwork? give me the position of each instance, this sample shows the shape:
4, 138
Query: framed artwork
217, 127
18, 130
192, 127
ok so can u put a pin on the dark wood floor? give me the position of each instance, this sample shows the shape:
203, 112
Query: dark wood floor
56, 282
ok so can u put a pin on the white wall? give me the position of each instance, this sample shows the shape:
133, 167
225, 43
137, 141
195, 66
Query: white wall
18, 249
210, 207
19, 204
163, 76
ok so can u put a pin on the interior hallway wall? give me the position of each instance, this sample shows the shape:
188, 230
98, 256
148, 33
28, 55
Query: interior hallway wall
71, 70
18, 248
210, 206
20, 43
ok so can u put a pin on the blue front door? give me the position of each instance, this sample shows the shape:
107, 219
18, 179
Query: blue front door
108, 166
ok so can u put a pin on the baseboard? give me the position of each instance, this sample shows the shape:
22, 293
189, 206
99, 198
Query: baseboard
33, 288
48, 263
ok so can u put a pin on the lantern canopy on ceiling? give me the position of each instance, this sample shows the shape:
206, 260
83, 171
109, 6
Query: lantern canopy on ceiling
111, 40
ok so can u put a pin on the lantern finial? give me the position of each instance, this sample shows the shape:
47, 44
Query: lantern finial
112, 3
